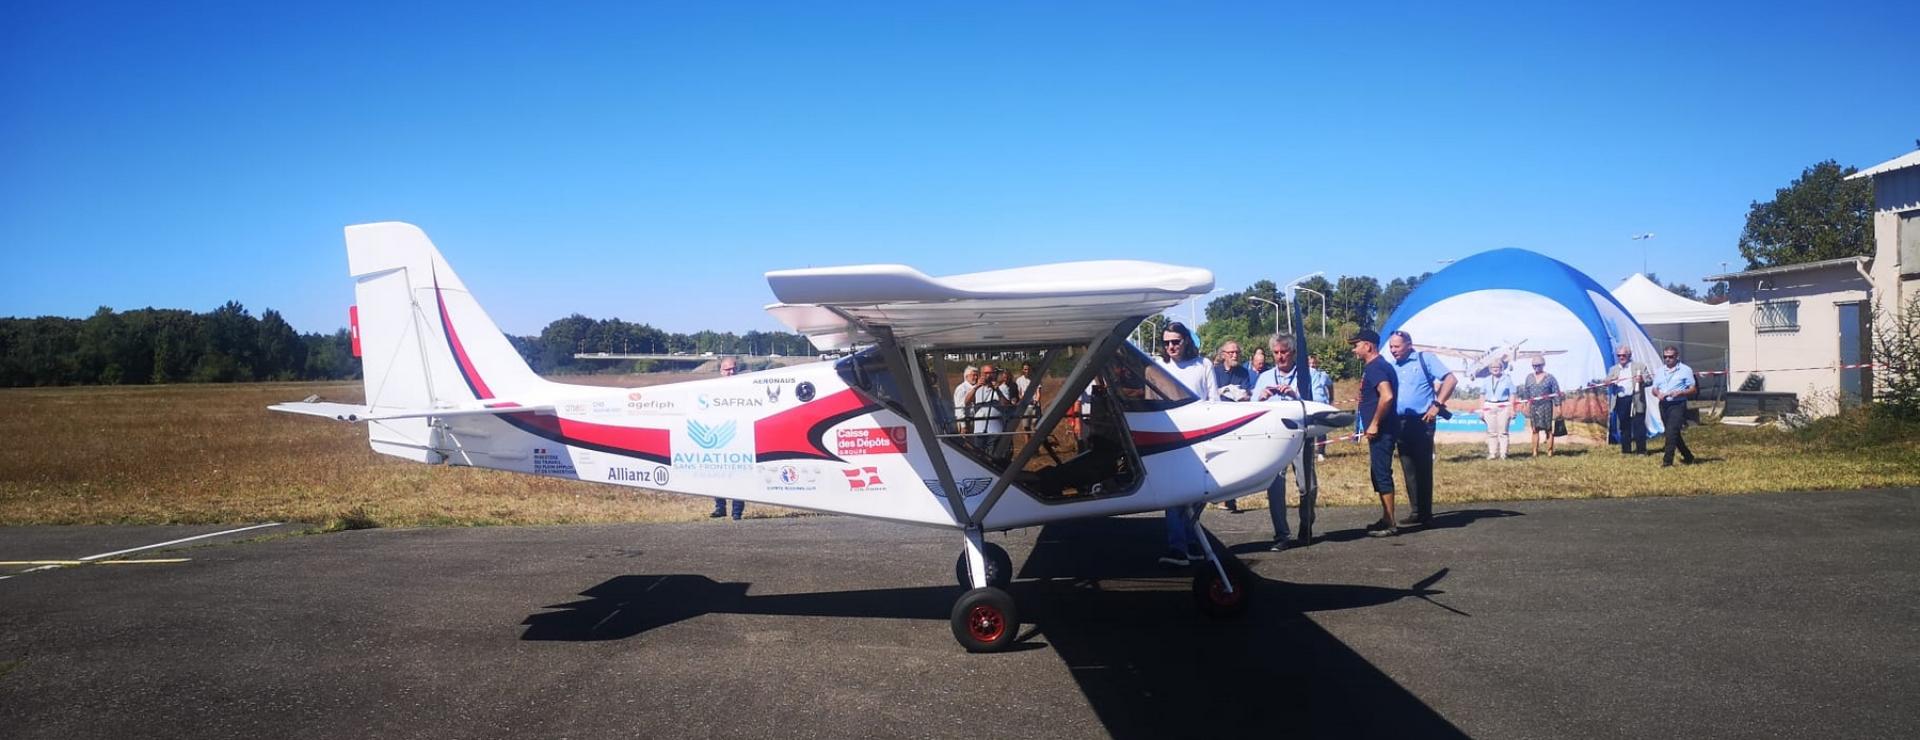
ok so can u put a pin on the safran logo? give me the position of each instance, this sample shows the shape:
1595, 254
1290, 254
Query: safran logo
710, 438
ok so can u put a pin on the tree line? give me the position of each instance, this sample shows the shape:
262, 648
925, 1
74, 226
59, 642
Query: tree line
230, 345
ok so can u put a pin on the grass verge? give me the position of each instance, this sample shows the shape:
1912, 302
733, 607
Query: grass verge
213, 454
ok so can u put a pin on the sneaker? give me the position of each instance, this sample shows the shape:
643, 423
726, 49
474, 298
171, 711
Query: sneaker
1174, 557
736, 517
1380, 525
716, 515
1196, 556
1388, 532
1281, 544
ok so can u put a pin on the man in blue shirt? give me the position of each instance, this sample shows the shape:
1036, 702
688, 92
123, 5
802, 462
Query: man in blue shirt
1235, 381
1425, 386
1277, 383
1673, 384
1322, 392
1378, 386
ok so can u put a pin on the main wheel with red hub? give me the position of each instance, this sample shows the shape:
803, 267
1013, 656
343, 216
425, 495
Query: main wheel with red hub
999, 567
1213, 597
985, 621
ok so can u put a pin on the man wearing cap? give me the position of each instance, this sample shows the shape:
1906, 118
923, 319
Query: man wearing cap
1673, 385
1378, 386
1425, 386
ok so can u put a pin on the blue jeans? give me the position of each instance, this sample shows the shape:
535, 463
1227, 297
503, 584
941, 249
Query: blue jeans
1180, 528
720, 506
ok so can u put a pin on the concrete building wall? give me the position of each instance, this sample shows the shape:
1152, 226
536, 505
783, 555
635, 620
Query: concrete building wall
1802, 360
1896, 217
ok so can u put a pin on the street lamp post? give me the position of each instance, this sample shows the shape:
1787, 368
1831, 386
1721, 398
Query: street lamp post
1323, 306
1643, 239
1276, 309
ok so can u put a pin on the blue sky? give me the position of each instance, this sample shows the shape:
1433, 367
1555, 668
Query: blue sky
650, 160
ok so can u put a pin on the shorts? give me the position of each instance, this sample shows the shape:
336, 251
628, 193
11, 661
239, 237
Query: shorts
1380, 461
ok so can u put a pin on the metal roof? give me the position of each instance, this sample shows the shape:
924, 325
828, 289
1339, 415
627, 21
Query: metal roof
1780, 269
1910, 159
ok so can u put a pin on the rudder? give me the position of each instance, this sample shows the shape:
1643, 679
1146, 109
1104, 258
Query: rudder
426, 343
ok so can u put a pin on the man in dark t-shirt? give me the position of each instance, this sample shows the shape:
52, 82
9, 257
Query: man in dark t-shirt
1378, 385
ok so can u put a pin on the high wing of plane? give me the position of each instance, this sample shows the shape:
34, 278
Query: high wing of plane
1477, 361
880, 433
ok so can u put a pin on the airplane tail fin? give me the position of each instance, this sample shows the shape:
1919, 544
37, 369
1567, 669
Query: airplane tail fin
425, 342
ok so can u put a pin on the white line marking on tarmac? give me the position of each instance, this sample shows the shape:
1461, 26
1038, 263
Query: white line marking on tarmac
178, 541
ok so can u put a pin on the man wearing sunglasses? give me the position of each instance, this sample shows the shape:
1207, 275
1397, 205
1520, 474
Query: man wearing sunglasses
1673, 384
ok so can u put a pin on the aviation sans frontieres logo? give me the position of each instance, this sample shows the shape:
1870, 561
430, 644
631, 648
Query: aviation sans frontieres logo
710, 438
720, 455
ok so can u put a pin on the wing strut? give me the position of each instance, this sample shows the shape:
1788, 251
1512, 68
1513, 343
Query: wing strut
1098, 353
906, 371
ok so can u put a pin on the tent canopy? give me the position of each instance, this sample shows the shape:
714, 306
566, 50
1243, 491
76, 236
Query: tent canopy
1510, 299
1651, 304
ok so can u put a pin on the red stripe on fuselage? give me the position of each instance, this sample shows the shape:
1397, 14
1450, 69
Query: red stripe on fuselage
799, 433
1149, 443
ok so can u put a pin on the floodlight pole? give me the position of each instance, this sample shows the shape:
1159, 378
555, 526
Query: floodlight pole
1303, 387
1276, 310
1323, 306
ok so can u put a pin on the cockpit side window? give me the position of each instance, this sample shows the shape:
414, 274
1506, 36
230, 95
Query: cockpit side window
1141, 384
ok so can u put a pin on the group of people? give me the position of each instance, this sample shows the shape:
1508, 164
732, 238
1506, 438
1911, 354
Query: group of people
984, 401
1403, 392
1630, 382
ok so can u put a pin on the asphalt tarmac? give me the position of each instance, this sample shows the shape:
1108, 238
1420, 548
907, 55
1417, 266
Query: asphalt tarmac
1739, 616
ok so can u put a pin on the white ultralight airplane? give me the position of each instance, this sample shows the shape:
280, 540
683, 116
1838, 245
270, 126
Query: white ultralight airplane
1479, 362
872, 434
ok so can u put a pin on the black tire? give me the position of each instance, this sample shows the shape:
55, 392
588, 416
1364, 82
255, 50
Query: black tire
999, 567
1212, 599
985, 621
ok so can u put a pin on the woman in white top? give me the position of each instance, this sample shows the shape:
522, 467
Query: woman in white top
1180, 356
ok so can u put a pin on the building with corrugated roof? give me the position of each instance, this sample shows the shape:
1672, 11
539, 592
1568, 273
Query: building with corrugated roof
1802, 333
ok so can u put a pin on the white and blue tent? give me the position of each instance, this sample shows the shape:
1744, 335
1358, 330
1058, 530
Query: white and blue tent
1496, 301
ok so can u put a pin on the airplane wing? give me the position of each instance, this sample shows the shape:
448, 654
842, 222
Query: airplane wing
836, 307
358, 412
1458, 353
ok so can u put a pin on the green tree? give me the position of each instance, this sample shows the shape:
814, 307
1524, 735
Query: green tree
1397, 291
1356, 300
1819, 216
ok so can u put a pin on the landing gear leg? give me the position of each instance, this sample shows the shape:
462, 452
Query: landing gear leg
1220, 586
984, 620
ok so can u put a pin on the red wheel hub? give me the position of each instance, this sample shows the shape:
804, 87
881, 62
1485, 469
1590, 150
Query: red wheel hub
1217, 591
986, 623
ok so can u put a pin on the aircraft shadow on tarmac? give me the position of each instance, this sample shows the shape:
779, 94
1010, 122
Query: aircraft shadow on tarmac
1149, 664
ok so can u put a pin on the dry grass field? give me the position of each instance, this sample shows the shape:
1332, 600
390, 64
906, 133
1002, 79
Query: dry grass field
214, 454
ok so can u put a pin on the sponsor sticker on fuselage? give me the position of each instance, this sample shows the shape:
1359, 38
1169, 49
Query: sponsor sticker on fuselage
871, 441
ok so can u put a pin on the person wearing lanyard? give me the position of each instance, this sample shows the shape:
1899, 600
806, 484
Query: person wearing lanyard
1629, 379
1673, 385
1496, 407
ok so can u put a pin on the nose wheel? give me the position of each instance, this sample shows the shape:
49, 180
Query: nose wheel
1222, 598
